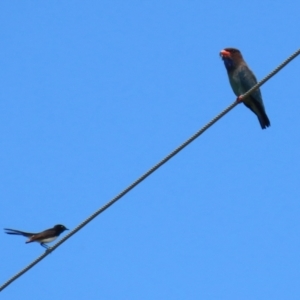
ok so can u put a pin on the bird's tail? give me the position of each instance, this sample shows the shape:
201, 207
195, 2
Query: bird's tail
18, 232
264, 120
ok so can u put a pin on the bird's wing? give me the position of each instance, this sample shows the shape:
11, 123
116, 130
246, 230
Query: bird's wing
248, 80
18, 232
49, 233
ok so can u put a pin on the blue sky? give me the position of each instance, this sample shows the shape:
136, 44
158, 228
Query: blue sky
95, 93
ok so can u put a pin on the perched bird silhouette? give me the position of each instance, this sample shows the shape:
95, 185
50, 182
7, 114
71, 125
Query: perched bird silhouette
241, 80
43, 237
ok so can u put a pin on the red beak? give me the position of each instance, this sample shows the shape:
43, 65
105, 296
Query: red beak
225, 53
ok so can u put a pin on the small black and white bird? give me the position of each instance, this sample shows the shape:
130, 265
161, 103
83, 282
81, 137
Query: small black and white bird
43, 237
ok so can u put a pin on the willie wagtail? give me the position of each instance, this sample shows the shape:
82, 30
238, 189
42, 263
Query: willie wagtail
43, 237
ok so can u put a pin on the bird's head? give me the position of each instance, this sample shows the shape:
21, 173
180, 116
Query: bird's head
231, 57
60, 228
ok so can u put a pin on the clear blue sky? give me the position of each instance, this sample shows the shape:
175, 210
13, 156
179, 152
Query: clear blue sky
93, 94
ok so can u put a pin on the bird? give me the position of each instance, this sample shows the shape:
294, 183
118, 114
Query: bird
42, 237
241, 80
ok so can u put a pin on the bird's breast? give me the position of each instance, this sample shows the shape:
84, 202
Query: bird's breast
236, 84
48, 240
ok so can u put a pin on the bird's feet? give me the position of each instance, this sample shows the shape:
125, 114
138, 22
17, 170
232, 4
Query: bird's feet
48, 250
239, 99
45, 246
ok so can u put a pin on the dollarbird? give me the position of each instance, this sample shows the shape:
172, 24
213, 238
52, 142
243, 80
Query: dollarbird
241, 80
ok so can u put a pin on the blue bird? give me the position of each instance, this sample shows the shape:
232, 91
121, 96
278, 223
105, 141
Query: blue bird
241, 80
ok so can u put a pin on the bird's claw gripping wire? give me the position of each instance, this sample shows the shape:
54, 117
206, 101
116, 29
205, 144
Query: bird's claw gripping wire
239, 99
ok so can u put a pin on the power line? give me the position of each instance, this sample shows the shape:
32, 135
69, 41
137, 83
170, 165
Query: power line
149, 172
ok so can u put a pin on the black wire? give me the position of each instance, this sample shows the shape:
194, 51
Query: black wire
149, 172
